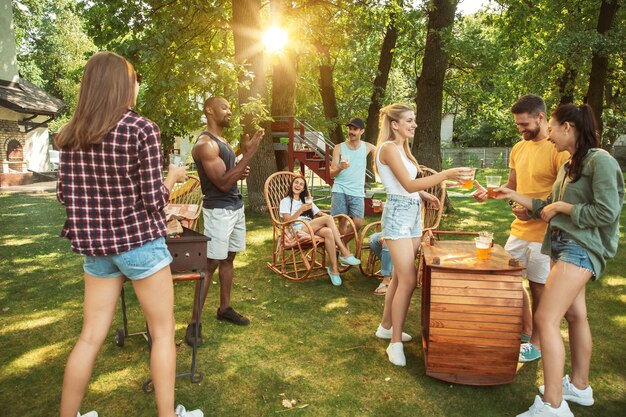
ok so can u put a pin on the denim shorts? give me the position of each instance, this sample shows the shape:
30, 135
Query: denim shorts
135, 264
566, 249
350, 205
402, 217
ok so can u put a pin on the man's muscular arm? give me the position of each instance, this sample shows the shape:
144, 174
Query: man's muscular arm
208, 152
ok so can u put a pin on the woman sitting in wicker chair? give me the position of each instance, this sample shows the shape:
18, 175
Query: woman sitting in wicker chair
295, 206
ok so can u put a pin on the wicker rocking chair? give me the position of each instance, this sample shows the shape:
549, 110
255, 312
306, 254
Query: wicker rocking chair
296, 254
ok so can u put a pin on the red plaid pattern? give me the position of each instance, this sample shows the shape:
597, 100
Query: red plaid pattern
113, 192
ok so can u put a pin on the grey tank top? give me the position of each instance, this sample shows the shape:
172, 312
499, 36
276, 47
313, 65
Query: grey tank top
213, 196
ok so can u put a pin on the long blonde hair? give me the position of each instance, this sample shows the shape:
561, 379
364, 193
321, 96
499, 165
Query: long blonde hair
388, 114
107, 90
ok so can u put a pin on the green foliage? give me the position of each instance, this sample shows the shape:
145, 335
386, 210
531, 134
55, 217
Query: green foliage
52, 48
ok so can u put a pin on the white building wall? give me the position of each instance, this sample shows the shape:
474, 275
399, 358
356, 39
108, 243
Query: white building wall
447, 127
36, 150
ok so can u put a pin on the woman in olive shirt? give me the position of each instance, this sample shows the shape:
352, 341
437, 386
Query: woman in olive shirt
583, 212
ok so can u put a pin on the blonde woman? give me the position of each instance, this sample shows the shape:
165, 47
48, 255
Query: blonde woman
401, 223
111, 185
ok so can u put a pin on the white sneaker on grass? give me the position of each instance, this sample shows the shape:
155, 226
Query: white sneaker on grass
386, 334
573, 394
182, 412
395, 353
541, 409
89, 414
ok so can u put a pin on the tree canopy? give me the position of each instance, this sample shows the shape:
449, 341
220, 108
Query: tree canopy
185, 52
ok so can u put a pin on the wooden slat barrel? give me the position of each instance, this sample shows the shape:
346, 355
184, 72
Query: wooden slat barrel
471, 314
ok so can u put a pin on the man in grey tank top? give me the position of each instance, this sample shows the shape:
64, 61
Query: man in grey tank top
348, 170
224, 218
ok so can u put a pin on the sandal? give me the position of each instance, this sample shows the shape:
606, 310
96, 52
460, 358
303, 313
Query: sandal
381, 289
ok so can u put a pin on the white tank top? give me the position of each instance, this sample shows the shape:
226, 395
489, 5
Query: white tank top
390, 182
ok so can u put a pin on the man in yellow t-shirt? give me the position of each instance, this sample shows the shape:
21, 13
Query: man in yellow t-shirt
534, 164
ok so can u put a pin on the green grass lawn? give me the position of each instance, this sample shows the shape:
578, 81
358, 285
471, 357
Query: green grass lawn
309, 341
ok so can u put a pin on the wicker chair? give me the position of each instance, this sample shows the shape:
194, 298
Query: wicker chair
431, 217
296, 258
189, 192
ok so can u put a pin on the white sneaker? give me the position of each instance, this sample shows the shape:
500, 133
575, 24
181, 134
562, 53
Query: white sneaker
395, 353
89, 414
383, 333
541, 409
182, 412
573, 394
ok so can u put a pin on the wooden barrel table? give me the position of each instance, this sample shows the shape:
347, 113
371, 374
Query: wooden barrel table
471, 313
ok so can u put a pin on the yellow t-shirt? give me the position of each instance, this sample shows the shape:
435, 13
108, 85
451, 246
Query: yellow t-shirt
536, 165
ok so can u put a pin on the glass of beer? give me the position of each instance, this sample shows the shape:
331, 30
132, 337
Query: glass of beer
377, 206
493, 182
308, 199
483, 248
177, 160
468, 182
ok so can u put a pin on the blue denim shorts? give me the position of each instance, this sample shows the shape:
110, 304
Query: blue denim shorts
566, 249
350, 205
135, 264
402, 217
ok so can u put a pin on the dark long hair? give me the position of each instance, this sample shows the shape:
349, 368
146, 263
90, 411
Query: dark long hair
304, 194
584, 121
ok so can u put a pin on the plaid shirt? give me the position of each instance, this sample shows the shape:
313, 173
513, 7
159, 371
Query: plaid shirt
113, 192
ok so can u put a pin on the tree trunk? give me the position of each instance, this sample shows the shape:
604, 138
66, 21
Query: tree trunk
567, 83
283, 79
246, 26
429, 99
600, 62
380, 82
327, 91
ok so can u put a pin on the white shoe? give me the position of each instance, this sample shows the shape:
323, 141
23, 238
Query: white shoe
573, 394
541, 409
383, 333
89, 414
182, 412
395, 353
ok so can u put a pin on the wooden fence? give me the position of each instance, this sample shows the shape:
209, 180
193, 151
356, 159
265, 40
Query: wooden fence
476, 157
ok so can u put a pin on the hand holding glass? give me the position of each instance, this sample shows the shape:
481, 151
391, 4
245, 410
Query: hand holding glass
493, 182
345, 161
468, 181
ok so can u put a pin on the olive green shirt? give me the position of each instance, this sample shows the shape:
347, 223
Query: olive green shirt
597, 198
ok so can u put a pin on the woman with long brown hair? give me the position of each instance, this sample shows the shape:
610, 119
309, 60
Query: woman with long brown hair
401, 223
111, 185
583, 213
295, 206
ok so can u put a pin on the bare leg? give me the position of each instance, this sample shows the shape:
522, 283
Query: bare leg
101, 296
329, 244
212, 265
527, 315
536, 290
156, 295
329, 221
579, 340
226, 280
565, 283
358, 223
403, 252
391, 292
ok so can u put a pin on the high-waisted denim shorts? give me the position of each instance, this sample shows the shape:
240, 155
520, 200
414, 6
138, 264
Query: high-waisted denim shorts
566, 249
135, 264
402, 217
